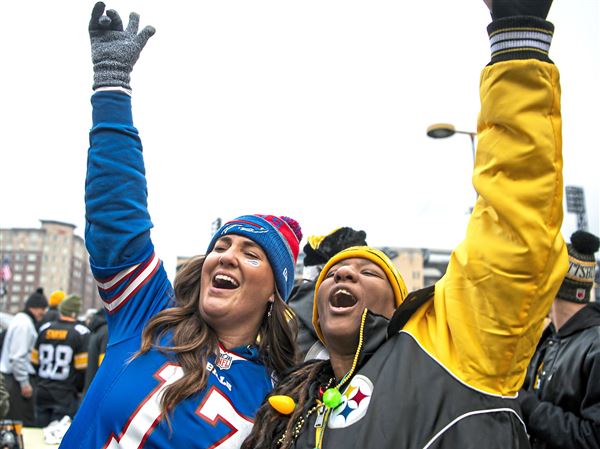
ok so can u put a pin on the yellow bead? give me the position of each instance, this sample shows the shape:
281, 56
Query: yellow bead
283, 404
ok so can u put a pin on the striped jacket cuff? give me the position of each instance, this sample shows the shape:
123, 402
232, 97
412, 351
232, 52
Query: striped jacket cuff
117, 290
520, 37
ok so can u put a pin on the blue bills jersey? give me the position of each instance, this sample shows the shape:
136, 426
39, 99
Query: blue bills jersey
122, 407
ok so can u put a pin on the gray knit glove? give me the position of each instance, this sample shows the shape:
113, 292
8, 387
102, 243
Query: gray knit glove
114, 50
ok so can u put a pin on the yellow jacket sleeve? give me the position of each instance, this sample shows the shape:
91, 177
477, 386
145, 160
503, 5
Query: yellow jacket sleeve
488, 310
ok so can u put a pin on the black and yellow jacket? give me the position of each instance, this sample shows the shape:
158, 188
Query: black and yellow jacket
447, 376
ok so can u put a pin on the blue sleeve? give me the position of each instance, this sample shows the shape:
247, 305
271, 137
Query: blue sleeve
118, 225
131, 279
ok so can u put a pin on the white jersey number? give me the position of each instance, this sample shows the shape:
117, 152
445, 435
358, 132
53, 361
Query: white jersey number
55, 361
215, 407
145, 418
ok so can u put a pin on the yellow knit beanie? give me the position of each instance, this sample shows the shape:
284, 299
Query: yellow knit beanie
375, 256
56, 298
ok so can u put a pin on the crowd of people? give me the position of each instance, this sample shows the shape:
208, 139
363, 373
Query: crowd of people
502, 352
44, 362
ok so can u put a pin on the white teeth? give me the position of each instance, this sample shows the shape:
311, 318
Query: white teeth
343, 298
225, 278
343, 291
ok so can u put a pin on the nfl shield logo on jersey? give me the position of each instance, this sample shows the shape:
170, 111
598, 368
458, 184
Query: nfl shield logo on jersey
224, 361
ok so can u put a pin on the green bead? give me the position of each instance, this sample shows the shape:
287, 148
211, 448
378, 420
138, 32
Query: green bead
332, 397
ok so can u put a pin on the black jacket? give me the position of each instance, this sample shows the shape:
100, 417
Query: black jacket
561, 395
97, 347
52, 314
301, 301
394, 374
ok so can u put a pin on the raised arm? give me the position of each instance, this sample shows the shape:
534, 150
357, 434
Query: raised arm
117, 219
502, 278
118, 224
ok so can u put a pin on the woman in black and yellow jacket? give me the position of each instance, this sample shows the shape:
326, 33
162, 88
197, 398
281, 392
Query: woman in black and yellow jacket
443, 370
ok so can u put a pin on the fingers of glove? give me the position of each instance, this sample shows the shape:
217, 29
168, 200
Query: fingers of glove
134, 23
146, 34
116, 22
507, 8
97, 12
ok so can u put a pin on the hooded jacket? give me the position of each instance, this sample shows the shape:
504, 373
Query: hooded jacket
561, 403
18, 344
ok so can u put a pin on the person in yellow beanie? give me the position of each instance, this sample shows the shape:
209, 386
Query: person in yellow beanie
54, 301
442, 367
317, 251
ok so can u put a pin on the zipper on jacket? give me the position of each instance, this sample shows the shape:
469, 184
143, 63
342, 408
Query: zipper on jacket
324, 412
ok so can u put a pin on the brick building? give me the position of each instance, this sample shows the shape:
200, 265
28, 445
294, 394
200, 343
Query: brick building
51, 256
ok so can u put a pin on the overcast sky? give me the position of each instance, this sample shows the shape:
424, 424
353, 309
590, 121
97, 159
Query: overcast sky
312, 109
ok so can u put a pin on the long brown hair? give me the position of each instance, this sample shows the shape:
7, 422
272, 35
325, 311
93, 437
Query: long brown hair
272, 429
194, 341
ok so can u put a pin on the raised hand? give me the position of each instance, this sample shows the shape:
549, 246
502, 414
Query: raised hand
115, 50
508, 8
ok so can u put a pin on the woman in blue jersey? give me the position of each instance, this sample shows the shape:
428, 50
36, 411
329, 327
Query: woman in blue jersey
184, 367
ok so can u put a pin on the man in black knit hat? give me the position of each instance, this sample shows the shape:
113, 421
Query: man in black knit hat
15, 362
561, 395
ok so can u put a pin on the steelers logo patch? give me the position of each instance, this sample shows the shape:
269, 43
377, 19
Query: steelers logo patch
355, 402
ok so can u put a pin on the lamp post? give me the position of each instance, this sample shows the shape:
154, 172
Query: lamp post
443, 130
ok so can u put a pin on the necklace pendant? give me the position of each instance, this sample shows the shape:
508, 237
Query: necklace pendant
332, 397
320, 417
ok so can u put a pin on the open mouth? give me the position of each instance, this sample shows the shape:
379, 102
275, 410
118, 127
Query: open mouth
342, 298
225, 282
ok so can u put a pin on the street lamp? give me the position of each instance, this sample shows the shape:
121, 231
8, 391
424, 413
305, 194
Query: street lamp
443, 130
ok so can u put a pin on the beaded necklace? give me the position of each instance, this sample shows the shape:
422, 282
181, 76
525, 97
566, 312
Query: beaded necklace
331, 398
302, 419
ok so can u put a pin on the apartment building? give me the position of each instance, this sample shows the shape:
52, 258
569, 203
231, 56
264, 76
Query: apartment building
51, 256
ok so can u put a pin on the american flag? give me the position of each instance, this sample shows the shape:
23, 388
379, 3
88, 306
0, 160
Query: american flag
5, 273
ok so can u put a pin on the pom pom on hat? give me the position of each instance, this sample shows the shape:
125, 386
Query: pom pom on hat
279, 237
37, 300
56, 297
294, 225
320, 249
579, 280
70, 306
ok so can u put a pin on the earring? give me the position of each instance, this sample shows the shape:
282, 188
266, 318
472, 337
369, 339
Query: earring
269, 309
